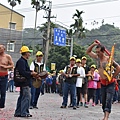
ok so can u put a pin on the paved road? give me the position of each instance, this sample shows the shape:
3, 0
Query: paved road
49, 109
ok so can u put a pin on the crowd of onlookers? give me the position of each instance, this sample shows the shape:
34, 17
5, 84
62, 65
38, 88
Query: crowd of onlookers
85, 84
55, 81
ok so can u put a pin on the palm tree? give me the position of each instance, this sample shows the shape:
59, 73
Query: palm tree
33, 2
43, 28
78, 24
14, 2
69, 33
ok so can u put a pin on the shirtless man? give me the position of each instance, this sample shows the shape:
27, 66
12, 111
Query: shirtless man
5, 64
107, 88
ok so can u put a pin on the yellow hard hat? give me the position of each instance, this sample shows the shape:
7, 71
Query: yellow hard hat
96, 70
24, 49
39, 53
93, 66
84, 58
72, 58
60, 71
78, 60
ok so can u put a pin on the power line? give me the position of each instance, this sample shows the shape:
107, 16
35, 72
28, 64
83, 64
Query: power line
72, 4
103, 35
90, 19
67, 4
87, 2
79, 4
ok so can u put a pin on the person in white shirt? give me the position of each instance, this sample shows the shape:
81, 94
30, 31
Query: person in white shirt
38, 67
81, 71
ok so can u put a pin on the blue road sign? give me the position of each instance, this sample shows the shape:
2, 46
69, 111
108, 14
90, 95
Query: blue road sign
59, 37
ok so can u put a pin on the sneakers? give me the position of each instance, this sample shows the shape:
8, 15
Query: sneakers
31, 107
115, 102
86, 104
70, 105
35, 107
77, 106
74, 108
81, 103
93, 104
17, 115
63, 106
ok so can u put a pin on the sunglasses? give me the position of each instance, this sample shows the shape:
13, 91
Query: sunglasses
39, 55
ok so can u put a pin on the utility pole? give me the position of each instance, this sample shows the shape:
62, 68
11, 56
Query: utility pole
48, 34
71, 48
48, 37
70, 44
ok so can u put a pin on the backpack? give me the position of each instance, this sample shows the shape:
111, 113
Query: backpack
18, 77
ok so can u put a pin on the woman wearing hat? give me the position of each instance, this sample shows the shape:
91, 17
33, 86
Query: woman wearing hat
79, 80
92, 84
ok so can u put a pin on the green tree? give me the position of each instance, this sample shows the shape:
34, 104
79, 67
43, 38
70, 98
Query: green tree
78, 28
61, 55
43, 28
69, 33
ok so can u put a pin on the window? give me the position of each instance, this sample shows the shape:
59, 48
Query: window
10, 46
12, 25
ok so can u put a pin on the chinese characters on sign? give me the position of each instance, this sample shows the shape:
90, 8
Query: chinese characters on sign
59, 37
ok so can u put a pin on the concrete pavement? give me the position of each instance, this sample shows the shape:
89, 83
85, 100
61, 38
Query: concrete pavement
49, 109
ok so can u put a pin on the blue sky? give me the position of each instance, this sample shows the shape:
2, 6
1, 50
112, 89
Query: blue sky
94, 10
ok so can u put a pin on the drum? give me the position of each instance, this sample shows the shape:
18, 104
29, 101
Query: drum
36, 83
43, 74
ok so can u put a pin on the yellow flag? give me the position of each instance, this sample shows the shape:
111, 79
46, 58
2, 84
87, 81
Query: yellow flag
53, 65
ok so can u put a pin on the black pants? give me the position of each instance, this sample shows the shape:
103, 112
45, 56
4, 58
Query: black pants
107, 92
78, 94
53, 87
91, 94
